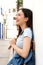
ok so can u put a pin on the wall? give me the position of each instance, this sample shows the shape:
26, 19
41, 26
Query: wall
4, 52
37, 7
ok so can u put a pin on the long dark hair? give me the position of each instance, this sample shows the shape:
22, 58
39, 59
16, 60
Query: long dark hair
27, 13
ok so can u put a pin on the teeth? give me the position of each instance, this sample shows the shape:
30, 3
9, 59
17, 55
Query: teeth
17, 20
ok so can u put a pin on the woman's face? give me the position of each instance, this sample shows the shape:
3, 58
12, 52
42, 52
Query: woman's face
20, 18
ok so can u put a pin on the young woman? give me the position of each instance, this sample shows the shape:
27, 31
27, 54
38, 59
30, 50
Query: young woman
23, 45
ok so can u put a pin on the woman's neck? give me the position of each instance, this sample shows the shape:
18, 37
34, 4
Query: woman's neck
23, 27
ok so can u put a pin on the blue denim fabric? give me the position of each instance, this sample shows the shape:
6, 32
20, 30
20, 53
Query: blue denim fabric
32, 60
18, 60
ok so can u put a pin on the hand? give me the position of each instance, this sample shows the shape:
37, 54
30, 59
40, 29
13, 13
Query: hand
12, 42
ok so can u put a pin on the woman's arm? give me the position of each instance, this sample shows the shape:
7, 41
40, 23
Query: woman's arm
26, 47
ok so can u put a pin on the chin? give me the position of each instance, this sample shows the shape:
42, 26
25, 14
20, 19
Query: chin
17, 23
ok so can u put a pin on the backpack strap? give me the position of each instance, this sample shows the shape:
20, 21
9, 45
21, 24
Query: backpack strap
33, 42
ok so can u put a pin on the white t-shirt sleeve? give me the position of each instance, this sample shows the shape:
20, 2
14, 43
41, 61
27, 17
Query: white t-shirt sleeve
28, 32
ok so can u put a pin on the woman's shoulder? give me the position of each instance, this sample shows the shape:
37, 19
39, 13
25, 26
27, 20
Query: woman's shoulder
28, 32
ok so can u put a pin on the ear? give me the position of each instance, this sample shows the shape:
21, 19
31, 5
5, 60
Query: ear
26, 19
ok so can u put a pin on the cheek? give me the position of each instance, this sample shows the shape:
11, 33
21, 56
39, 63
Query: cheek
21, 19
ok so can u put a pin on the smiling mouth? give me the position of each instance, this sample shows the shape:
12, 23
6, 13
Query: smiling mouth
17, 20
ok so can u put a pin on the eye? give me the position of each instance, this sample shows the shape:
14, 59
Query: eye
18, 14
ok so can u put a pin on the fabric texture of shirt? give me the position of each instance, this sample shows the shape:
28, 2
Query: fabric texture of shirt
27, 32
